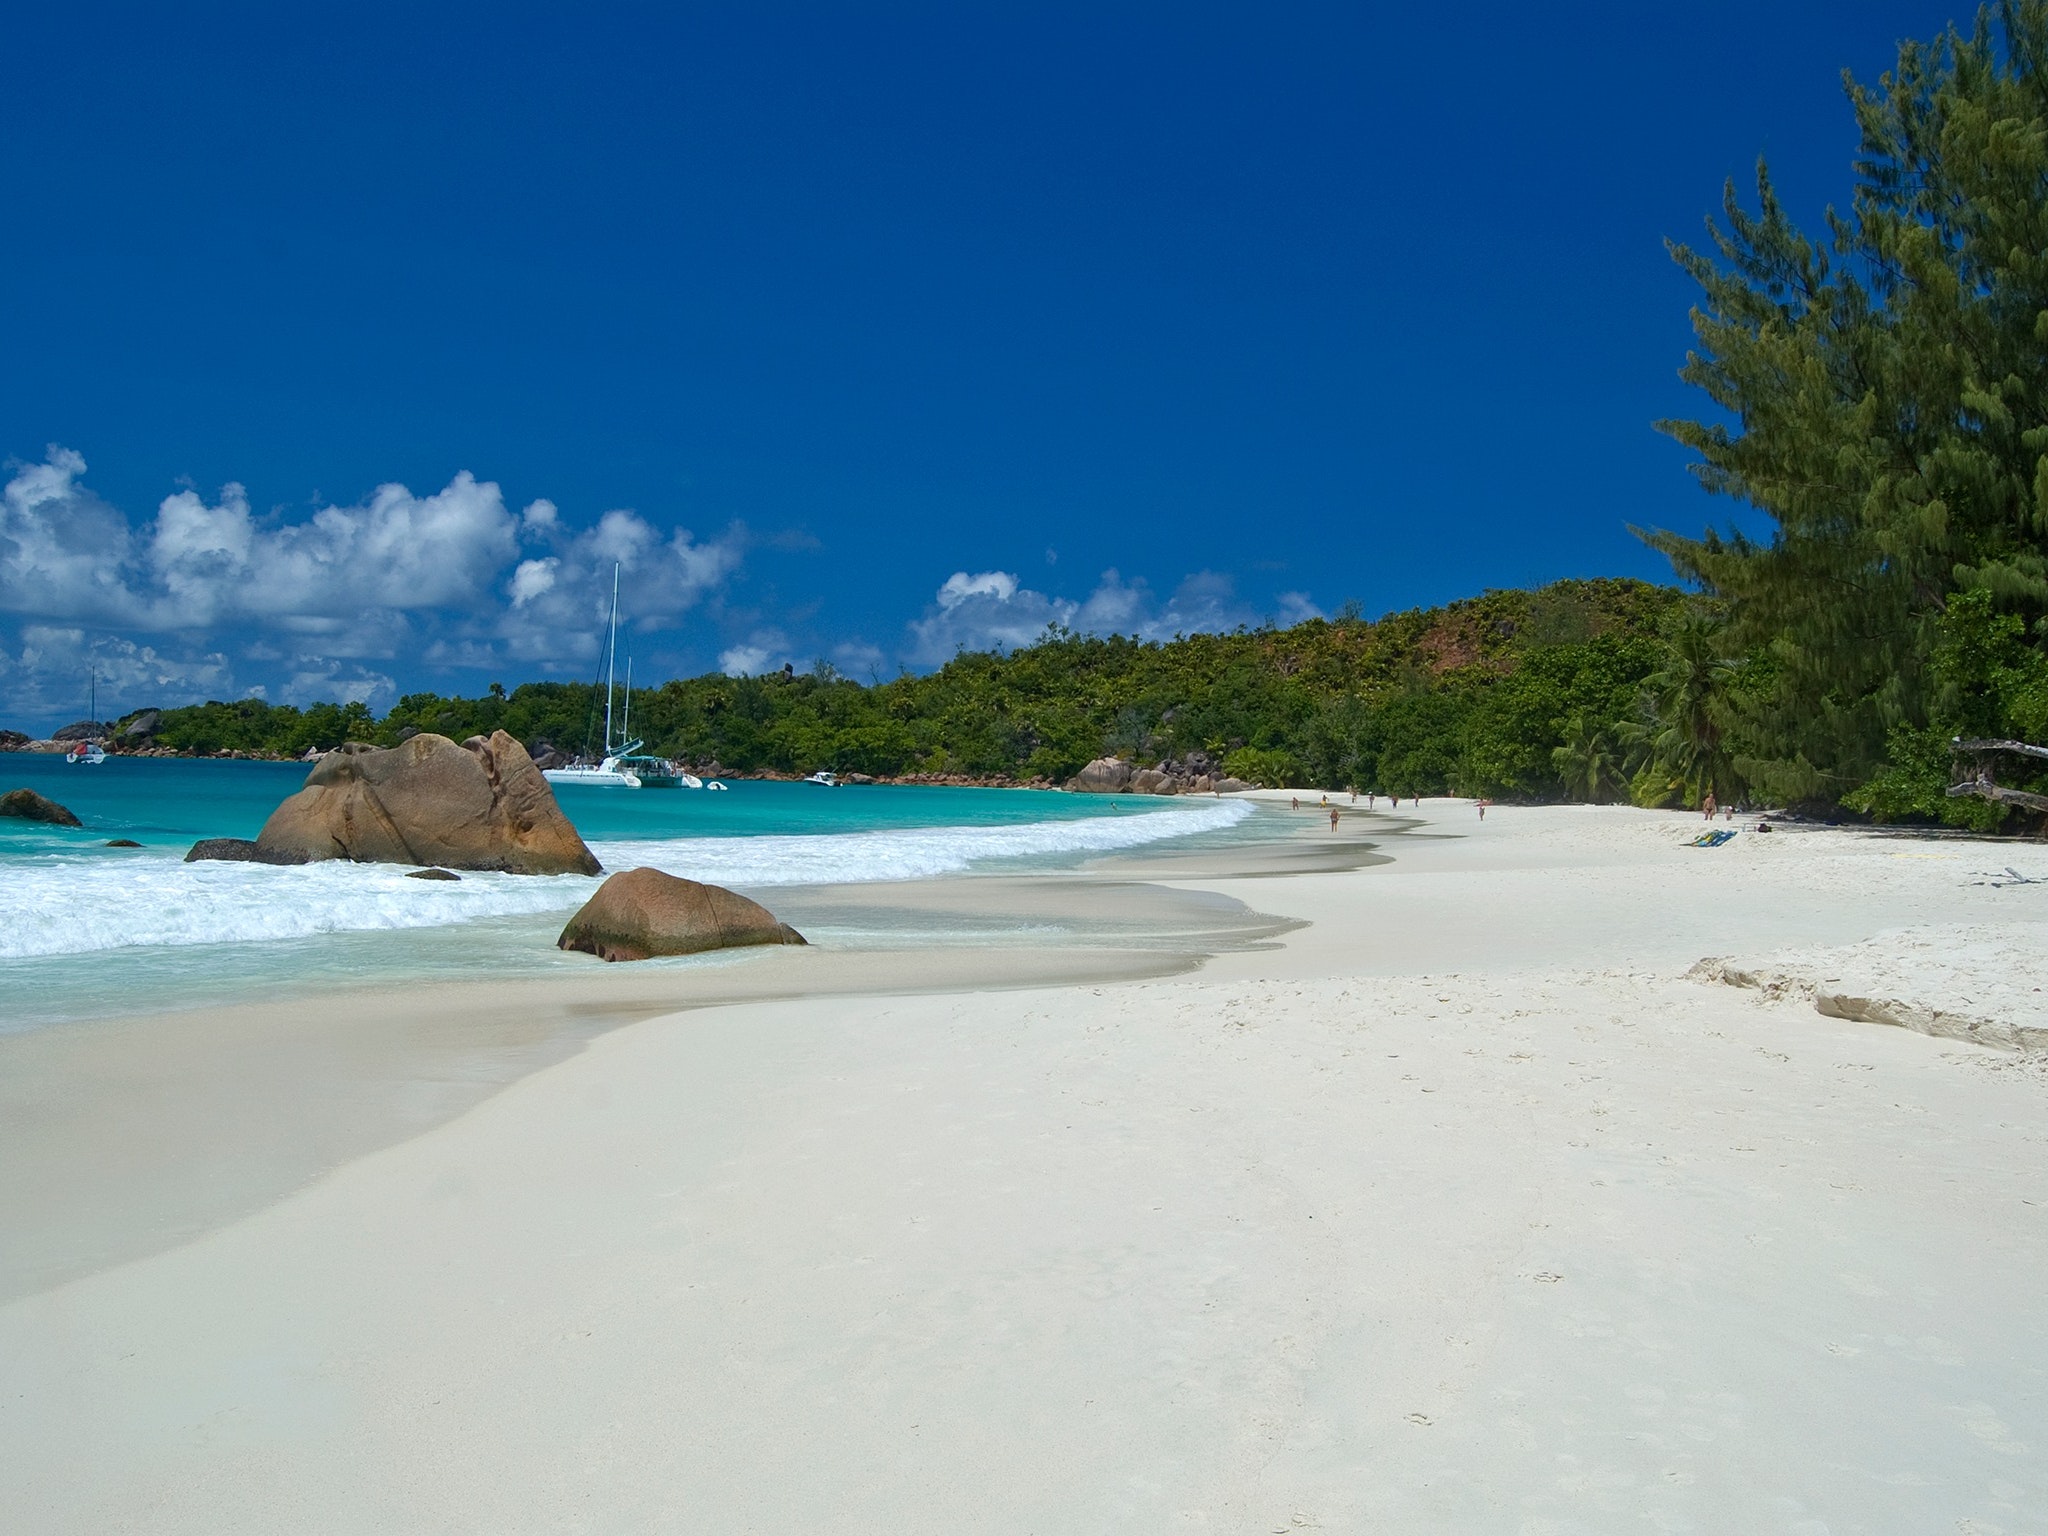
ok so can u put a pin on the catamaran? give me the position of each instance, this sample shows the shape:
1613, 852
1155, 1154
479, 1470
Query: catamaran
624, 765
89, 752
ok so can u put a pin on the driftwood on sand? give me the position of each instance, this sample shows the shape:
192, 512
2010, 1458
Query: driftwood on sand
1980, 782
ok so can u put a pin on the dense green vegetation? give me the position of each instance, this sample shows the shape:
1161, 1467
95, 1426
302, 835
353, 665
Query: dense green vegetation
1884, 399
1489, 696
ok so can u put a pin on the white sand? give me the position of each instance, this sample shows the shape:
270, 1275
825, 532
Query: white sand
1463, 1210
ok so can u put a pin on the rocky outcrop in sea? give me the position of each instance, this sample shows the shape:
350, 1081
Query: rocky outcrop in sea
480, 805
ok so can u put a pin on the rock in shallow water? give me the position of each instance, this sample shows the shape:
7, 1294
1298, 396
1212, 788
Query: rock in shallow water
431, 874
481, 805
30, 806
122, 842
643, 912
239, 850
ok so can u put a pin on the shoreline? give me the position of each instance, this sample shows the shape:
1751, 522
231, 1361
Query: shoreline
1441, 1197
260, 1097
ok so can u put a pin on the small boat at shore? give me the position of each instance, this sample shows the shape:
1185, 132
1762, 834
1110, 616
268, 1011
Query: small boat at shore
822, 777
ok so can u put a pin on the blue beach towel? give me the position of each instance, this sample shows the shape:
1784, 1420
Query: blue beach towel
1710, 839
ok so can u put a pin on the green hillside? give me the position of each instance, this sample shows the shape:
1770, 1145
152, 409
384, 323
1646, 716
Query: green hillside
1475, 698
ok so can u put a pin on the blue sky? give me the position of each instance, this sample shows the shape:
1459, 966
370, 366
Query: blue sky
367, 338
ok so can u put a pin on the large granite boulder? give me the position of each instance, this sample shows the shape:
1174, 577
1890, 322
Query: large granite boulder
644, 912
1154, 781
30, 806
13, 741
1104, 776
143, 726
480, 805
1229, 786
83, 730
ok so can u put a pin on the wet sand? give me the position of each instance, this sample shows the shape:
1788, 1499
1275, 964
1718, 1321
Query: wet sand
121, 1137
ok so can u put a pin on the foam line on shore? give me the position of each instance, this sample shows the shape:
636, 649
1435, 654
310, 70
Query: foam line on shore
86, 902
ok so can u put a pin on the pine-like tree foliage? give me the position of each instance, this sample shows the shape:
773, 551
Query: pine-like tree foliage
1885, 400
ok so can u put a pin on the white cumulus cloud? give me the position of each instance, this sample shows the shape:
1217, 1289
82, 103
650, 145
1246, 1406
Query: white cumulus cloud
994, 610
454, 577
766, 650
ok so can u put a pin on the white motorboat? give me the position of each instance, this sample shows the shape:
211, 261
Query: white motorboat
827, 779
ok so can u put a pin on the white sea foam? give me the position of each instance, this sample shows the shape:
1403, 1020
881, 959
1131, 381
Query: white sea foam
910, 853
67, 904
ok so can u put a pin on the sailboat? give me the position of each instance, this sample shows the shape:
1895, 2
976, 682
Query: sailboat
606, 773
89, 753
624, 765
652, 772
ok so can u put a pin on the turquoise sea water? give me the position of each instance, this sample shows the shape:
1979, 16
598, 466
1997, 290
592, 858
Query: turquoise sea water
174, 801
86, 929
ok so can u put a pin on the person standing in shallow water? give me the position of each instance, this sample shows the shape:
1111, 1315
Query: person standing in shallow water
1333, 818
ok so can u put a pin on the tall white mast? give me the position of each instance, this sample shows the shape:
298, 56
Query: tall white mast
626, 725
611, 658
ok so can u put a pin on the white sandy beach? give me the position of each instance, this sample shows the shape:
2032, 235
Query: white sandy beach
1460, 1208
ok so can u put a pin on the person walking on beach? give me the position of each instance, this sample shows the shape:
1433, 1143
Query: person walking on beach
1333, 818
1708, 805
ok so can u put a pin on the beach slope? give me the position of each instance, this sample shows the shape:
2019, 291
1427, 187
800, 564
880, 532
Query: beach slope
1463, 1208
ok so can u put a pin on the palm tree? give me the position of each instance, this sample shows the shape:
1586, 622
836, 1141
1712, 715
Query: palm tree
1690, 696
1588, 762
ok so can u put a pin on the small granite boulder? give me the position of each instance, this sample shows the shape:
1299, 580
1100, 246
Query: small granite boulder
122, 842
480, 805
30, 806
1104, 776
1229, 786
644, 912
431, 874
239, 850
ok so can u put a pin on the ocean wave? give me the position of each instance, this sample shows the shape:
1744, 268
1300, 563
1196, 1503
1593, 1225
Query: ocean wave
911, 853
61, 904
